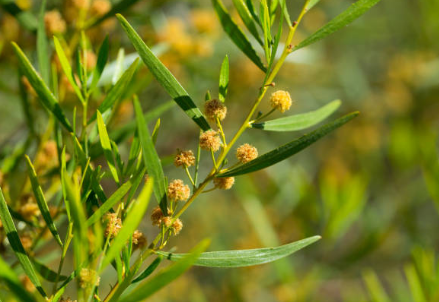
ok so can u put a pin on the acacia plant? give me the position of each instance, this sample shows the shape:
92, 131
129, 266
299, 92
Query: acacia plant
62, 202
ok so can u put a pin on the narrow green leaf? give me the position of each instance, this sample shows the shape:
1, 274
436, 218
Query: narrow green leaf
14, 241
374, 286
241, 258
164, 76
44, 94
285, 151
100, 64
8, 276
224, 79
106, 145
284, 8
252, 11
311, 4
67, 68
299, 121
277, 38
151, 158
130, 224
109, 203
155, 132
41, 201
346, 17
414, 281
236, 34
166, 276
247, 18
46, 272
42, 48
149, 270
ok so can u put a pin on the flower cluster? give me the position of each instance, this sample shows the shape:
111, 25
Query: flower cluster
281, 100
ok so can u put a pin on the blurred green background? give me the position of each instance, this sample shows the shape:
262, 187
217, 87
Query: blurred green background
371, 189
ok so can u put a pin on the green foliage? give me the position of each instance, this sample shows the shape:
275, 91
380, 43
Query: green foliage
242, 258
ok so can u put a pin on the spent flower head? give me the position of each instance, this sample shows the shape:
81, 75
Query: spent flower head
54, 23
215, 109
224, 183
178, 191
113, 225
210, 140
88, 278
281, 100
184, 158
246, 153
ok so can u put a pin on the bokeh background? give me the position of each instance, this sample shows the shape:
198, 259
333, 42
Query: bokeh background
371, 189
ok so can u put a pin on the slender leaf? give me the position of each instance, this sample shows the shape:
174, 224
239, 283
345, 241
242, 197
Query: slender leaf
311, 4
224, 79
130, 224
106, 145
44, 94
247, 18
241, 258
166, 276
414, 283
109, 203
41, 201
14, 241
151, 158
299, 121
374, 286
42, 48
284, 8
346, 17
8, 276
100, 64
47, 273
67, 68
236, 34
285, 151
164, 76
149, 270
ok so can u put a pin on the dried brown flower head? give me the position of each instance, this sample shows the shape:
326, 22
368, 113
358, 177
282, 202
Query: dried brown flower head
26, 241
184, 158
215, 108
27, 284
157, 215
281, 100
224, 183
177, 226
210, 140
88, 278
100, 7
28, 207
139, 240
54, 23
113, 225
178, 191
81, 4
246, 153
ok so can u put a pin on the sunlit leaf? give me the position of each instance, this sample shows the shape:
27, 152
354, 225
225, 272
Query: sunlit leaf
299, 121
166, 276
224, 79
130, 224
67, 68
241, 258
151, 158
44, 94
100, 64
149, 270
346, 17
109, 203
164, 76
106, 145
42, 47
247, 18
236, 34
285, 151
8, 276
17, 247
41, 201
